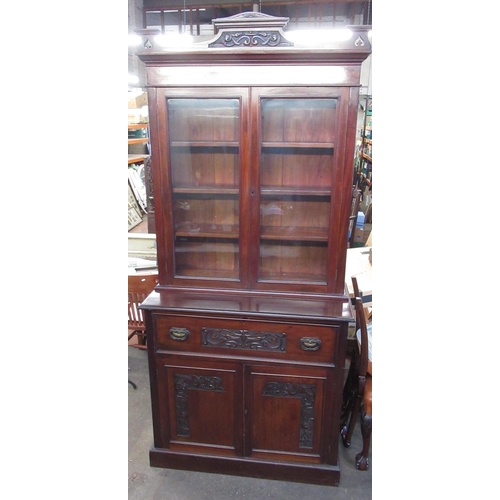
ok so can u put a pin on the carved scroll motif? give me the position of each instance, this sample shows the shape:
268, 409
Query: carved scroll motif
359, 42
251, 39
307, 394
182, 385
243, 339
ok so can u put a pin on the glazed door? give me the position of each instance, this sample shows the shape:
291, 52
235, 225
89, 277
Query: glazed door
297, 140
201, 177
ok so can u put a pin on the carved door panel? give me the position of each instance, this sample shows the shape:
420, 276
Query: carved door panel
198, 403
286, 413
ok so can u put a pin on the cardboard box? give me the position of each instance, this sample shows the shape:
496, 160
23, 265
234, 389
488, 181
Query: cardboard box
142, 245
139, 101
360, 237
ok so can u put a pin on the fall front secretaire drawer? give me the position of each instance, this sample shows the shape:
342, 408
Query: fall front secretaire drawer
246, 338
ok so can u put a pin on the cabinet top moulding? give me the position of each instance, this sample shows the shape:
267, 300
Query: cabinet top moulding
261, 42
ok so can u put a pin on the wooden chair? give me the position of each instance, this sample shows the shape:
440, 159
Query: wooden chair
139, 287
353, 217
357, 293
357, 393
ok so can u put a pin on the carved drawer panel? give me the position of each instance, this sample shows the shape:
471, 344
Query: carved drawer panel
246, 338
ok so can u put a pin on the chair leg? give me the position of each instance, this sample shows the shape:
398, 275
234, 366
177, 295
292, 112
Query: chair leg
347, 408
349, 395
141, 340
366, 432
348, 430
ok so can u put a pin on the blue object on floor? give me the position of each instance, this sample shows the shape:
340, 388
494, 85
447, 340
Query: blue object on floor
360, 221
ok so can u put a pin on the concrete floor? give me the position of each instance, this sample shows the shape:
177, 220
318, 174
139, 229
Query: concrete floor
149, 483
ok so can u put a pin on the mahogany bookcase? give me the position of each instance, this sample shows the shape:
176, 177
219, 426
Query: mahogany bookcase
252, 148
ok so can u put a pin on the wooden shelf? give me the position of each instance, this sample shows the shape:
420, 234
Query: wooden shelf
212, 190
298, 145
137, 126
204, 144
207, 274
136, 158
138, 140
291, 277
366, 157
293, 234
295, 191
207, 231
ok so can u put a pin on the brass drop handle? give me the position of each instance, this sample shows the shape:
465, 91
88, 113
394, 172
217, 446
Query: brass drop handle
310, 343
179, 334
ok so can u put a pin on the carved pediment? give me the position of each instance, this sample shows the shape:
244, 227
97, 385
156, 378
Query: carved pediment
250, 29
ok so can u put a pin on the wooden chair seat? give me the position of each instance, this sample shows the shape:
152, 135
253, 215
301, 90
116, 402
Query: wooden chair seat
139, 287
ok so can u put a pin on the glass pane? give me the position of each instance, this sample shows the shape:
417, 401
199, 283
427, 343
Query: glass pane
204, 161
279, 261
296, 181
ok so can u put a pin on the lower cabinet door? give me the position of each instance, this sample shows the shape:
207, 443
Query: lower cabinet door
286, 408
199, 404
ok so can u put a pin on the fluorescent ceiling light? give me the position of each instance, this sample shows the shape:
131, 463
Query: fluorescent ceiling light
182, 10
134, 40
174, 40
313, 37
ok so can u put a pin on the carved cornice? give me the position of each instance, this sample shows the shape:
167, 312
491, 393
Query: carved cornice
255, 38
250, 29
